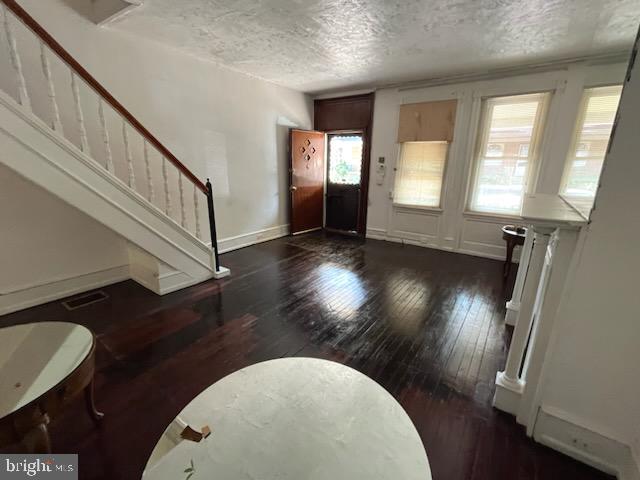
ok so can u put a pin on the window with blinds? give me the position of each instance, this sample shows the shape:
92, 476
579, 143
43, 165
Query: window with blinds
593, 129
419, 174
508, 139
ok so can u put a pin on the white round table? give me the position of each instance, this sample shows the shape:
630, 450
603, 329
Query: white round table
292, 419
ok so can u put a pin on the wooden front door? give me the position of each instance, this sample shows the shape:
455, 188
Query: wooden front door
306, 183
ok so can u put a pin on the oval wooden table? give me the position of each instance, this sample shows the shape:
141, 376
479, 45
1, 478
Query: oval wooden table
42, 366
291, 419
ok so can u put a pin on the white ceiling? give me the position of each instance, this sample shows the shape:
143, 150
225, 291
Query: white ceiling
319, 45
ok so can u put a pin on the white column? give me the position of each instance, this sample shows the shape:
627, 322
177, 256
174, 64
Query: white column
513, 305
509, 384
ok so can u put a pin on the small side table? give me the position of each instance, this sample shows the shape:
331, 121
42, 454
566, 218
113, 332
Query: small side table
513, 235
42, 367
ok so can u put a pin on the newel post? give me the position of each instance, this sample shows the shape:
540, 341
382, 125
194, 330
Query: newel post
212, 224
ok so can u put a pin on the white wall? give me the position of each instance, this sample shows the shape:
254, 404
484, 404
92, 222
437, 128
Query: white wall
221, 124
45, 241
591, 370
453, 228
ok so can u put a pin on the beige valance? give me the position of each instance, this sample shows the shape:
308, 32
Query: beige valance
427, 122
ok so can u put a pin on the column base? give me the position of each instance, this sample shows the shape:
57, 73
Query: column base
513, 308
508, 394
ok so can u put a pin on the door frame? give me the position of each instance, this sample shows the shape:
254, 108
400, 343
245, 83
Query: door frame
363, 134
366, 150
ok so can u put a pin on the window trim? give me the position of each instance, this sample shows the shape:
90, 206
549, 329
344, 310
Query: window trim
536, 146
434, 208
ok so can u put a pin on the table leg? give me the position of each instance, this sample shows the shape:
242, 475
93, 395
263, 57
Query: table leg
37, 439
90, 402
507, 262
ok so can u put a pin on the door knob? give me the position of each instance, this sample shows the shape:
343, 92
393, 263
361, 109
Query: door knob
293, 188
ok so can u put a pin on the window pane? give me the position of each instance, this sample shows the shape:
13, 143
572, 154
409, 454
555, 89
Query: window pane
345, 159
595, 122
419, 173
507, 142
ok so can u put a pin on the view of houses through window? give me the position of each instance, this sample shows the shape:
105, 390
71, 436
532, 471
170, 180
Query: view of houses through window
507, 143
345, 159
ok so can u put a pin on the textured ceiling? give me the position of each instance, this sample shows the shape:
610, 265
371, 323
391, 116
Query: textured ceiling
317, 45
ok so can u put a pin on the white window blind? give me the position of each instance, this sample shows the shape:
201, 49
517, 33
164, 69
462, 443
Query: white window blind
509, 134
420, 173
593, 129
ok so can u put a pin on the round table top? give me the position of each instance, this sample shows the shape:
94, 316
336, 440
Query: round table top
292, 419
36, 357
514, 230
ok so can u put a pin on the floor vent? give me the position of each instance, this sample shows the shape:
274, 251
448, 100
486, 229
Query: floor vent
84, 300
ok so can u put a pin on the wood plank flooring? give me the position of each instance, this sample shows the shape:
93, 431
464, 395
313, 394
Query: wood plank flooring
427, 325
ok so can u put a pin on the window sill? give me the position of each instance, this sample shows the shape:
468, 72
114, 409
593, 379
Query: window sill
402, 206
495, 216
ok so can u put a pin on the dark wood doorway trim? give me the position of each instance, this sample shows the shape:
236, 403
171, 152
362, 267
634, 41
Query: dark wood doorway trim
351, 113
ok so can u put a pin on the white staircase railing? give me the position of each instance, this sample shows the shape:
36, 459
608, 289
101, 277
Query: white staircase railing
142, 157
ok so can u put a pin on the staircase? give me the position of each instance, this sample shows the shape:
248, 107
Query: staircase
63, 131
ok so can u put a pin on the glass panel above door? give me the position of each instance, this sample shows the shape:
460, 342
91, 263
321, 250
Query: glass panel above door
345, 159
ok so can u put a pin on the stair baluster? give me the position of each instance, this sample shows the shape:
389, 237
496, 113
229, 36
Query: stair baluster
84, 141
105, 138
56, 124
196, 210
165, 180
183, 214
23, 95
147, 165
127, 152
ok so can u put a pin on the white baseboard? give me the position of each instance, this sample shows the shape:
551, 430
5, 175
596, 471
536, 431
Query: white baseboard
556, 429
37, 295
380, 234
247, 239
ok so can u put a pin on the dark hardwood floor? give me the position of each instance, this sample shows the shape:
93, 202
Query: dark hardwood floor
427, 325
